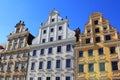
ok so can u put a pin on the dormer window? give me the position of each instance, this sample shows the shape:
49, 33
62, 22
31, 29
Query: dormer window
105, 28
87, 40
17, 30
96, 22
88, 31
52, 20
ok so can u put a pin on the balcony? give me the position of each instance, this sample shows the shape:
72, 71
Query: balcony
113, 56
109, 42
86, 45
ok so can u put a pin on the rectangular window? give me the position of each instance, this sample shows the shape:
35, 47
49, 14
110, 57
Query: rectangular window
97, 39
2, 67
34, 52
91, 67
68, 47
52, 30
22, 78
59, 37
102, 66
25, 54
18, 55
44, 32
87, 40
57, 63
32, 65
31, 78
9, 66
16, 65
114, 65
67, 77
68, 63
50, 50
107, 37
80, 53
60, 27
97, 30
49, 65
51, 39
41, 65
112, 50
14, 78
100, 51
7, 78
43, 41
90, 52
39, 78
95, 22
52, 20
81, 67
0, 78
47, 78
11, 56
58, 49
23, 65
42, 52
57, 78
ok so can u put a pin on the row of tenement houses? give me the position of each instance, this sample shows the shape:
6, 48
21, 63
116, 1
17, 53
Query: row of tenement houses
58, 53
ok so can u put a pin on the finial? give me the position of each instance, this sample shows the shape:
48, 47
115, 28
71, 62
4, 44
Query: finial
20, 21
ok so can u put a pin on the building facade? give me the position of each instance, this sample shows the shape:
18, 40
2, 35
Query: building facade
97, 51
51, 52
14, 58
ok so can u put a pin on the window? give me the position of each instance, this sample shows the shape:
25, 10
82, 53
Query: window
43, 41
17, 30
107, 37
57, 63
34, 52
41, 65
16, 66
51, 39
32, 65
22, 78
42, 52
39, 78
90, 52
58, 49
47, 78
81, 67
52, 30
114, 65
67, 77
44, 31
9, 66
20, 45
102, 66
52, 20
50, 50
22, 38
18, 55
91, 67
49, 65
57, 78
59, 37
2, 67
112, 50
68, 63
80, 53
31, 78
14, 78
0, 78
23, 65
88, 31
68, 47
97, 39
25, 54
5, 56
7, 78
100, 51
96, 22
11, 56
105, 28
87, 40
97, 30
60, 27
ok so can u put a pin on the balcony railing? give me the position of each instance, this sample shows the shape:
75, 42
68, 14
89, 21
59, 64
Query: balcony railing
116, 73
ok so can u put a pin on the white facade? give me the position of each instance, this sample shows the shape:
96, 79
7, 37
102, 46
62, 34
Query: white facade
51, 50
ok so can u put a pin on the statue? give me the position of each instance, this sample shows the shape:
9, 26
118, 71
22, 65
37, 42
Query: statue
77, 33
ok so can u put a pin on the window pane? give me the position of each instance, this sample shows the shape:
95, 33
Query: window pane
112, 50
57, 78
68, 47
68, 63
49, 65
102, 66
32, 66
57, 63
34, 52
67, 77
42, 52
91, 67
90, 52
41, 65
114, 65
59, 49
80, 53
39, 78
50, 50
100, 51
81, 67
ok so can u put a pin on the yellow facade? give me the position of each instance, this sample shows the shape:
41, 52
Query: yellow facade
14, 58
97, 53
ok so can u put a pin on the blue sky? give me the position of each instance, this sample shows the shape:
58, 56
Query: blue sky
33, 12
